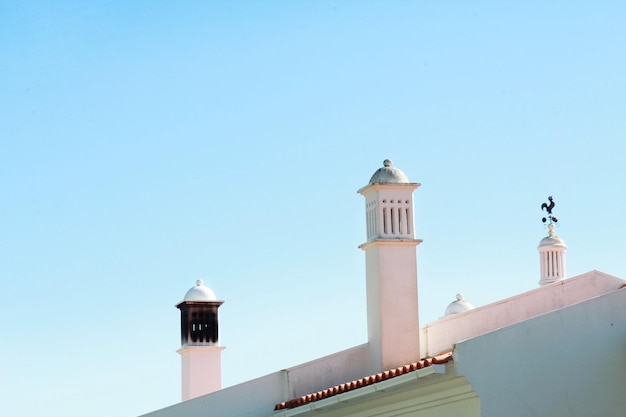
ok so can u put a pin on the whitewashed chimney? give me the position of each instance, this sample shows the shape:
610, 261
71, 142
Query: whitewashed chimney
200, 351
391, 268
552, 258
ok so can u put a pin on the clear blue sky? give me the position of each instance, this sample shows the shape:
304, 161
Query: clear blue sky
146, 144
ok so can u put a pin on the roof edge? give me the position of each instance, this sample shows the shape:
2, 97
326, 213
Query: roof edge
440, 359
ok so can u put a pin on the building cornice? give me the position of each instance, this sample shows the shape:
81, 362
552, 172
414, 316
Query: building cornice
193, 348
388, 186
390, 242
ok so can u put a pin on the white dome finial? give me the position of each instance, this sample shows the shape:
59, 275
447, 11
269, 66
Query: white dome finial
200, 292
458, 306
388, 174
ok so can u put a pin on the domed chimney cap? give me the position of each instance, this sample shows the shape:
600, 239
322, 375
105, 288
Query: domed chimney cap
388, 175
552, 239
458, 306
200, 293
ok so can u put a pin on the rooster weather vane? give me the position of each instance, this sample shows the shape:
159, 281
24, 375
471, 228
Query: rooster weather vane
548, 207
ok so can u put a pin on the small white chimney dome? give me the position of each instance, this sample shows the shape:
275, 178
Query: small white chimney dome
388, 175
552, 239
200, 293
458, 306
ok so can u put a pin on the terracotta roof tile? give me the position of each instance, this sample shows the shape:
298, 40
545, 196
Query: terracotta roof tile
362, 382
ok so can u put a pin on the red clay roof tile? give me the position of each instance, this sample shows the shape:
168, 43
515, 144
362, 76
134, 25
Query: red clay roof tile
368, 380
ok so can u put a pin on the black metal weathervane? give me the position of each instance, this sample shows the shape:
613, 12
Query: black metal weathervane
548, 207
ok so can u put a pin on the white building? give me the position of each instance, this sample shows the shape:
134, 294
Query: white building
557, 350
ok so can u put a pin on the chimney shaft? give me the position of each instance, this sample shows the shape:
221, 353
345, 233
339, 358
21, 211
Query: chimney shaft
391, 269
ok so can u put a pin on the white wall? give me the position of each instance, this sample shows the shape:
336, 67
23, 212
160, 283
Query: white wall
328, 371
444, 333
259, 396
570, 362
253, 398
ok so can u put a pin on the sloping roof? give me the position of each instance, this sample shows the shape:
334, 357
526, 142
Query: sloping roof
441, 335
362, 382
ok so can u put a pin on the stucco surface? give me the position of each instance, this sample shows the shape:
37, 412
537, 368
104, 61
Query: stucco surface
569, 362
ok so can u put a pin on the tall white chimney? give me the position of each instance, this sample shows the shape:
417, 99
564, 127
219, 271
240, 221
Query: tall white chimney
391, 269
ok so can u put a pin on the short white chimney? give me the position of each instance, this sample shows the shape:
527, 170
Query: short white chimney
552, 258
200, 351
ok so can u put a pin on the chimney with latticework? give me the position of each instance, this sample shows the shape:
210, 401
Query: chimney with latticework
391, 269
200, 351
